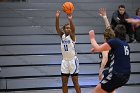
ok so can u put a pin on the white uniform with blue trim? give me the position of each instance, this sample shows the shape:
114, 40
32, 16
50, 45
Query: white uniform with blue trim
70, 62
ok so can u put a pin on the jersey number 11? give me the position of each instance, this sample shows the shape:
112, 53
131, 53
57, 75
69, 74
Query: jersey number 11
66, 47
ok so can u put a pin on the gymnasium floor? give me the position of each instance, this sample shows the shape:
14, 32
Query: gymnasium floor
125, 89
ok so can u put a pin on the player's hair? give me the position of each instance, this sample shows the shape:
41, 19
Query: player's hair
109, 33
120, 32
138, 9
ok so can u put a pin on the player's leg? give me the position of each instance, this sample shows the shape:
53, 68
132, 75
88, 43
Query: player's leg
105, 72
113, 81
113, 91
76, 83
98, 89
65, 83
64, 75
74, 70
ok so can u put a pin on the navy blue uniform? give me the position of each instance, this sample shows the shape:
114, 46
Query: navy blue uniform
119, 70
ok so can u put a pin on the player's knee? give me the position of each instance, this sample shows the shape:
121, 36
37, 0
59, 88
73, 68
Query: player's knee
75, 83
64, 83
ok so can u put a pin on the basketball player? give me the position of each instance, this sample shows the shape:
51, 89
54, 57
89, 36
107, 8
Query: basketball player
119, 69
70, 62
106, 56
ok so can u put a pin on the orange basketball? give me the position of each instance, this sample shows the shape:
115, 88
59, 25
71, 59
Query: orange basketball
68, 7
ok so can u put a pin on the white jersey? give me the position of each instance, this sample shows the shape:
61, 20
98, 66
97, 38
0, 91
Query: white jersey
67, 47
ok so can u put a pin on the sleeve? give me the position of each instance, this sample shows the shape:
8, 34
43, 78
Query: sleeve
113, 43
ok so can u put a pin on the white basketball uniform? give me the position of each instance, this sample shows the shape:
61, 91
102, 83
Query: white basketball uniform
70, 62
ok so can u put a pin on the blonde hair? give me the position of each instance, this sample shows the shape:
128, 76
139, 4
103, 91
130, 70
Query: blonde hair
109, 33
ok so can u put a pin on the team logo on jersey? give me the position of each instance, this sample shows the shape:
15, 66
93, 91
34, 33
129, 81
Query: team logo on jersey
66, 41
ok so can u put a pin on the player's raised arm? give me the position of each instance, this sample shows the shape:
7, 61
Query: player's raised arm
102, 13
58, 30
96, 47
72, 27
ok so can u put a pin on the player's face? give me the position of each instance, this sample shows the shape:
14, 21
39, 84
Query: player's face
67, 29
121, 10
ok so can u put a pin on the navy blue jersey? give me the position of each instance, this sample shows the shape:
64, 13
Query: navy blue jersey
121, 51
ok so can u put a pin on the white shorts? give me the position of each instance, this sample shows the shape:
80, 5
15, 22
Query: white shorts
70, 67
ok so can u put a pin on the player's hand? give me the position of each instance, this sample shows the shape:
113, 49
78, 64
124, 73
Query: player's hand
57, 13
69, 16
92, 37
91, 34
102, 12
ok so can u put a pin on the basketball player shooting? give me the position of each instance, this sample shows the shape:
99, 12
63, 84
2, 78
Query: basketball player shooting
70, 62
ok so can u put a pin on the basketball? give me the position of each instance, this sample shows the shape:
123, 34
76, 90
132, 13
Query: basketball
68, 7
